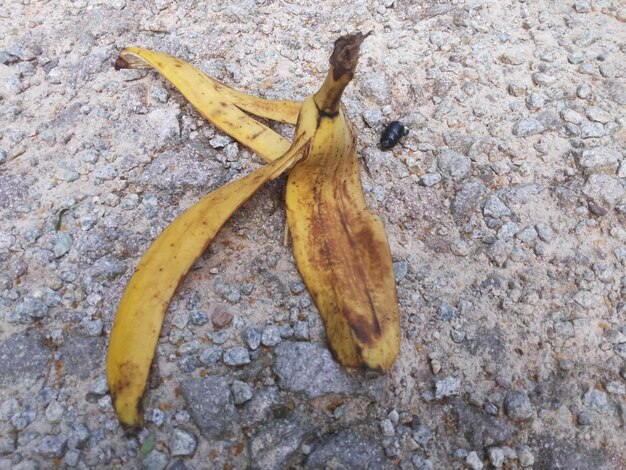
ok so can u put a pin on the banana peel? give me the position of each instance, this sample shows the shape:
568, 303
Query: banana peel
339, 245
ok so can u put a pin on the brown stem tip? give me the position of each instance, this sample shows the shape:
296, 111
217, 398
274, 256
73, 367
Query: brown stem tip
121, 63
346, 54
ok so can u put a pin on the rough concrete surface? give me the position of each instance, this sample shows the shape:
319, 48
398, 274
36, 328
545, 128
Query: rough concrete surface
504, 205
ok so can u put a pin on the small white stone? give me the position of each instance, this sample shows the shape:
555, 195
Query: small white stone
596, 113
525, 456
182, 443
473, 461
394, 416
569, 115
54, 412
386, 426
496, 456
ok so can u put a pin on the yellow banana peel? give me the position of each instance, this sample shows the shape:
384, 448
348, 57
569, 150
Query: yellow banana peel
339, 245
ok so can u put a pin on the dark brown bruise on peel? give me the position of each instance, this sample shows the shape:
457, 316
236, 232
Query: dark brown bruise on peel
362, 328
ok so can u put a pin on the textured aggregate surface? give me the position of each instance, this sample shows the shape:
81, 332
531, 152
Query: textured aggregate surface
505, 206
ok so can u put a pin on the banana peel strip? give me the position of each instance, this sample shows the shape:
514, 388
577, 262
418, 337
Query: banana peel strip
342, 253
221, 105
143, 306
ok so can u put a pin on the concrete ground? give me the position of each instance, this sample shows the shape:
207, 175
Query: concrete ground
505, 206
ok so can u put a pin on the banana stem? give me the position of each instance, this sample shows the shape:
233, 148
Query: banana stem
343, 63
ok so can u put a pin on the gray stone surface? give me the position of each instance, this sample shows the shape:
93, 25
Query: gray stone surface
604, 189
527, 126
211, 405
242, 392
82, 355
349, 448
597, 400
310, 369
494, 207
156, 460
600, 160
453, 165
236, 356
274, 443
23, 355
447, 387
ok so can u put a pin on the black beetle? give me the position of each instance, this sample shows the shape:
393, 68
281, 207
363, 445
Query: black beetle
391, 135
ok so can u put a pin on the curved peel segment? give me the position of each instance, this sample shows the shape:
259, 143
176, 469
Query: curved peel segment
142, 308
341, 249
220, 104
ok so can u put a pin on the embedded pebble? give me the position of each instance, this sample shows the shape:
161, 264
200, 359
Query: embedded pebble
583, 91
496, 456
219, 337
589, 130
211, 355
431, 179
198, 318
22, 419
301, 330
604, 189
569, 115
221, 316
585, 418
447, 312
54, 412
494, 207
596, 113
236, 356
599, 160
447, 387
535, 101
99, 386
386, 427
517, 405
517, 89
309, 368
527, 234
156, 460
400, 269
473, 461
270, 336
63, 244
544, 231
252, 337
52, 446
542, 79
242, 392
525, 456
453, 165
597, 400
587, 69
582, 6
507, 230
182, 443
527, 126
